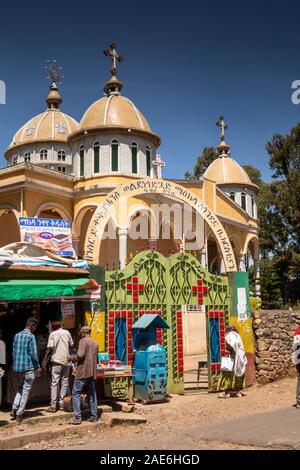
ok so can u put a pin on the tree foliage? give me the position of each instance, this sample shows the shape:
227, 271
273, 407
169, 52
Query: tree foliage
208, 155
279, 217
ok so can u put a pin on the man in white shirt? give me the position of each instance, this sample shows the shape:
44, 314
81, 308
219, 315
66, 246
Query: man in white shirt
60, 341
2, 362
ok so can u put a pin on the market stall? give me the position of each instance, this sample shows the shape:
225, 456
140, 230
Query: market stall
47, 293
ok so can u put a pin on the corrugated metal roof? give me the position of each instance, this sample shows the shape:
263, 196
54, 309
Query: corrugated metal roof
148, 319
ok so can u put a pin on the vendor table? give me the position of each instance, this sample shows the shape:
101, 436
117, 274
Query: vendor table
105, 374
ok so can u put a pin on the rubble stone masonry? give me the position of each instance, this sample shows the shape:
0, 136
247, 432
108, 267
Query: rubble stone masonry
273, 333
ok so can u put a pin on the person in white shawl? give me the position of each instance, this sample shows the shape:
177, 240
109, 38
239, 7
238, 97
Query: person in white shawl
234, 340
233, 380
296, 361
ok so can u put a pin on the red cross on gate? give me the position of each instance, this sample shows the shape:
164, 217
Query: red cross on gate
135, 288
198, 290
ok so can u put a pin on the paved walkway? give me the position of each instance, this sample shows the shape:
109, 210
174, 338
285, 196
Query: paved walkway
274, 429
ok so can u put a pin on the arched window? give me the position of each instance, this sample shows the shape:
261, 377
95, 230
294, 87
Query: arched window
62, 169
252, 206
148, 160
96, 157
27, 157
15, 160
44, 154
243, 201
232, 196
134, 158
81, 158
61, 155
114, 155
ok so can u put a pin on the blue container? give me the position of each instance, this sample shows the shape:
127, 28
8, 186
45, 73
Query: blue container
150, 364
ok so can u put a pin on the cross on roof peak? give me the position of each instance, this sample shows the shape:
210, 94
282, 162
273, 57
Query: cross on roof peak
159, 165
115, 57
221, 123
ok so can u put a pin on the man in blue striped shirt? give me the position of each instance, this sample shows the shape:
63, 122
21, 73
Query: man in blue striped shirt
26, 361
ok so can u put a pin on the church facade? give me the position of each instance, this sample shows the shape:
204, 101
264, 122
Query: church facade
59, 168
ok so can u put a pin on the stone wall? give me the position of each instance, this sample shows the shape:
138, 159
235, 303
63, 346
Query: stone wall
273, 333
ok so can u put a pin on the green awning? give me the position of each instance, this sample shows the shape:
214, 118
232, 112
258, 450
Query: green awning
34, 289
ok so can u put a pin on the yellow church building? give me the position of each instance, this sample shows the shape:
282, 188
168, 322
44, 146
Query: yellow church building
59, 168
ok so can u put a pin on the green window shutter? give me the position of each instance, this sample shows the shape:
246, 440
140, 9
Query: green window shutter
114, 156
81, 162
148, 157
96, 158
243, 201
134, 158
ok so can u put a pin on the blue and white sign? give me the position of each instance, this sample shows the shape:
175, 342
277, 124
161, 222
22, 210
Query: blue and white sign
51, 234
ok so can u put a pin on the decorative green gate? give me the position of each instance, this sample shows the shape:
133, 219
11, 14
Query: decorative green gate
151, 283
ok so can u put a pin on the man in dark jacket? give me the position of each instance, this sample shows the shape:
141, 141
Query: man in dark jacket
87, 358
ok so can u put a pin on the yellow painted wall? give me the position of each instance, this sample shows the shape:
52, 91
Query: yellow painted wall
97, 323
33, 200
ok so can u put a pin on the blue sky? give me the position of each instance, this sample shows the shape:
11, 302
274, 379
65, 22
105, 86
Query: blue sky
186, 64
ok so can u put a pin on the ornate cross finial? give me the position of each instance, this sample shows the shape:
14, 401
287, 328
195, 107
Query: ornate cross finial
115, 57
221, 123
54, 72
159, 165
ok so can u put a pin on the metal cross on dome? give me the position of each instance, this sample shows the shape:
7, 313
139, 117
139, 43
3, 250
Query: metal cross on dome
114, 56
221, 123
159, 165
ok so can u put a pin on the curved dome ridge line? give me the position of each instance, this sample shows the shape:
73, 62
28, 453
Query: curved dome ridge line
224, 169
86, 112
66, 121
43, 116
53, 126
106, 109
24, 127
239, 167
22, 131
136, 112
76, 124
246, 174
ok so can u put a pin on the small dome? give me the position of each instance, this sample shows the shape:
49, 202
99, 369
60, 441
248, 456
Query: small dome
114, 111
52, 125
225, 170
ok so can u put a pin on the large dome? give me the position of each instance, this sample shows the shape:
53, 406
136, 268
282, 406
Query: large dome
115, 111
225, 170
52, 125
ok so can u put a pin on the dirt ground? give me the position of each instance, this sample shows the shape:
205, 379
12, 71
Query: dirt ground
165, 421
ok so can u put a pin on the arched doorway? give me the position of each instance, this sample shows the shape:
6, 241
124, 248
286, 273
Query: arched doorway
10, 230
50, 214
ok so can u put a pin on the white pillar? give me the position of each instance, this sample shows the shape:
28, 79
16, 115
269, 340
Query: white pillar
242, 263
203, 260
257, 278
222, 267
123, 234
